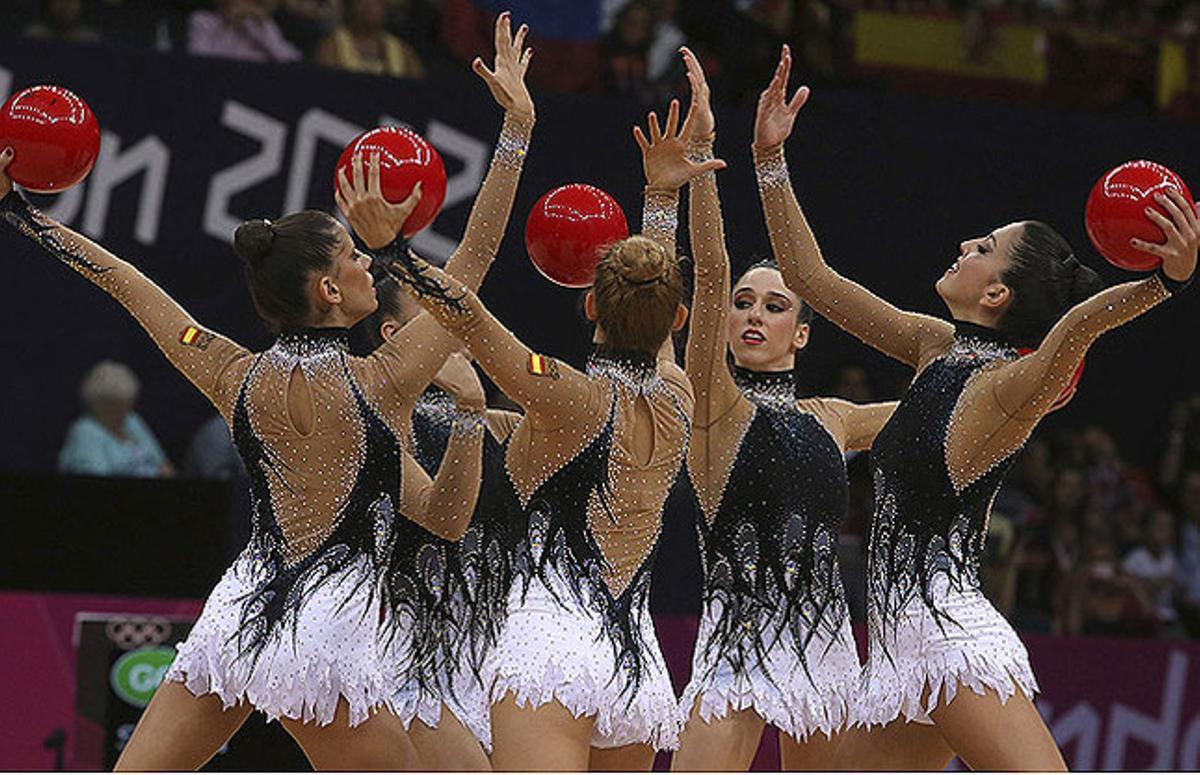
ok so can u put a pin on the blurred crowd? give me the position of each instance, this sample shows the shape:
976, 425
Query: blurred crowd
1108, 54
1084, 542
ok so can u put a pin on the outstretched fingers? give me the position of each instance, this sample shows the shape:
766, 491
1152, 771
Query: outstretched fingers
503, 33
519, 41
343, 187
798, 99
488, 76
640, 138
672, 119
656, 134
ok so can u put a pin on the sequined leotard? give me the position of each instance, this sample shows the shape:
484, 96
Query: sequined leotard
578, 628
938, 464
771, 485
475, 570
295, 622
419, 564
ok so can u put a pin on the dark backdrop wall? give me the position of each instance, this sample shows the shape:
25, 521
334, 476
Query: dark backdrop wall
192, 146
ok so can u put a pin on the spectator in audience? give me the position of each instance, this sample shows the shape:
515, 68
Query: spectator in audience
853, 384
1189, 553
62, 20
662, 56
239, 29
363, 44
1182, 452
625, 51
1155, 565
1101, 600
110, 439
306, 22
1069, 497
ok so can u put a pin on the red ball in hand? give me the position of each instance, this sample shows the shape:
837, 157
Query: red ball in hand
1116, 212
568, 229
405, 158
54, 136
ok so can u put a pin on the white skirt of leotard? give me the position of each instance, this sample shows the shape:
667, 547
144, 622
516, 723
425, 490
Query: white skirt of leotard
972, 646
462, 691
553, 648
329, 649
779, 689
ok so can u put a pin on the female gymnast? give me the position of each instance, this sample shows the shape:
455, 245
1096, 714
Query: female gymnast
473, 571
296, 627
293, 626
449, 602
775, 645
943, 455
577, 677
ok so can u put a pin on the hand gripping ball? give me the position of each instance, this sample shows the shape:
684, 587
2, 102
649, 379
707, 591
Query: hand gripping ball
1116, 207
54, 136
568, 229
404, 159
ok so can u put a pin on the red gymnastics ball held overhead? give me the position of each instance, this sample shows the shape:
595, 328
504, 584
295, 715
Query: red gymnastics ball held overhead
568, 229
54, 136
1116, 212
404, 159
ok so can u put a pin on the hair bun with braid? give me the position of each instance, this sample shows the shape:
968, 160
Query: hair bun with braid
637, 290
252, 241
642, 262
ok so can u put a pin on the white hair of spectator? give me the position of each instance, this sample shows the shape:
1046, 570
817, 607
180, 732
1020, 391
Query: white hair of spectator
109, 382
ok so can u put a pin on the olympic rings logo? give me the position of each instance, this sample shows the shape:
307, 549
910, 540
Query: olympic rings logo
135, 633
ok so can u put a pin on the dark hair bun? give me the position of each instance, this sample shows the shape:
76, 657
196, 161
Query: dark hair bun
252, 240
1087, 283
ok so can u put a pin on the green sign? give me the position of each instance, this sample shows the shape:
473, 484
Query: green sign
137, 673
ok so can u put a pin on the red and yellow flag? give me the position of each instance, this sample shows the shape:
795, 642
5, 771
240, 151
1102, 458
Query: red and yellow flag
541, 366
195, 337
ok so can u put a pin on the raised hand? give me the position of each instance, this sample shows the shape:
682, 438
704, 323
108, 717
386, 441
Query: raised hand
664, 155
699, 109
1182, 229
507, 79
776, 113
376, 220
458, 378
5, 181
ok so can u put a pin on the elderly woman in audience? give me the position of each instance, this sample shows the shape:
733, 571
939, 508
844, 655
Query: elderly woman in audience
110, 439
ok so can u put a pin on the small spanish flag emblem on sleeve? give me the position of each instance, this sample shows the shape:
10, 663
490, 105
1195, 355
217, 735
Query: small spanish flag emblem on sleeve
195, 337
542, 366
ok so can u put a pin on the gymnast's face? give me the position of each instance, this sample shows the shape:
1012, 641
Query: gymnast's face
763, 328
348, 283
972, 283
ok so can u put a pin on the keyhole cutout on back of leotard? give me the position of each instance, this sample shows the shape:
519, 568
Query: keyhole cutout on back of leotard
642, 445
300, 402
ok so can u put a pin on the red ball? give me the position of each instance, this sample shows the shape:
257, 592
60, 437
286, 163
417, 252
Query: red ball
1116, 212
404, 159
568, 229
54, 136
1067, 393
